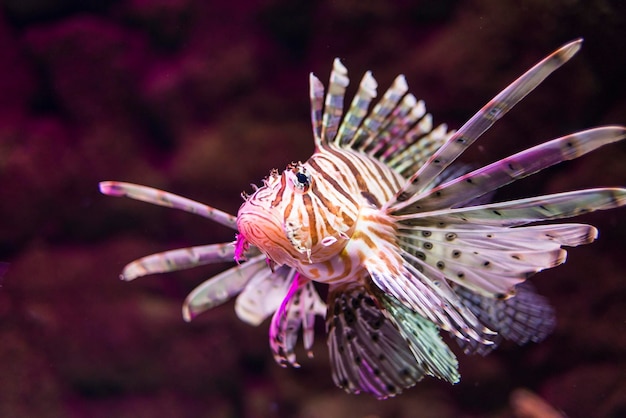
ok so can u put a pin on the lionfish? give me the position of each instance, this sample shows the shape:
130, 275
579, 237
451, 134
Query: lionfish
408, 243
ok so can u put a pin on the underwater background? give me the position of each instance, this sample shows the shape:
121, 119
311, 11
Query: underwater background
202, 98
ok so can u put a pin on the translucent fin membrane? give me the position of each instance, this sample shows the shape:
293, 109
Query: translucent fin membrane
181, 259
333, 107
480, 122
523, 318
367, 352
493, 176
297, 311
397, 130
170, 200
358, 109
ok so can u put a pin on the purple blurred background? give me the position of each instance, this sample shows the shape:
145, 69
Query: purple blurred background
203, 98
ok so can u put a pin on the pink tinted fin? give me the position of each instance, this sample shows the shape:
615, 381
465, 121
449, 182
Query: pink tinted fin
525, 317
170, 200
222, 287
479, 123
181, 259
367, 352
297, 311
460, 190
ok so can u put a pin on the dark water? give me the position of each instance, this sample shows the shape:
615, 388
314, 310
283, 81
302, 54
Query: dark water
203, 98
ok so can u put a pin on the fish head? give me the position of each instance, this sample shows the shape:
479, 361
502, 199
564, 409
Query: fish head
290, 222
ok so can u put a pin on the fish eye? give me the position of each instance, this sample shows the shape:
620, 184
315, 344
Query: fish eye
302, 180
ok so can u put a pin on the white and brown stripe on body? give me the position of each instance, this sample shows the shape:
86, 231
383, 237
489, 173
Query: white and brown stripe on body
328, 225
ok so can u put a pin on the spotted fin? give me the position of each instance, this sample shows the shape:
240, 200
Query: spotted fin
432, 354
367, 352
398, 273
457, 192
525, 317
536, 237
522, 211
491, 261
479, 123
298, 310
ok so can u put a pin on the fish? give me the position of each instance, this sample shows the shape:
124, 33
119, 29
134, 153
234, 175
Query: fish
406, 240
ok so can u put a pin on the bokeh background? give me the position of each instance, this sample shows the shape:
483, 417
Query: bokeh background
203, 98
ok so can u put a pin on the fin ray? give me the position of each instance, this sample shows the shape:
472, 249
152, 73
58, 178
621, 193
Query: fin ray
180, 259
480, 122
369, 130
167, 199
263, 294
431, 353
358, 109
367, 352
523, 211
297, 310
525, 317
460, 190
222, 287
333, 105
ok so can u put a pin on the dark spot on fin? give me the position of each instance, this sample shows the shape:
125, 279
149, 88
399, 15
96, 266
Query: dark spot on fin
367, 352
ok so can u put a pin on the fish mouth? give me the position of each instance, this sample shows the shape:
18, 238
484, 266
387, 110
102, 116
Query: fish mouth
288, 244
264, 230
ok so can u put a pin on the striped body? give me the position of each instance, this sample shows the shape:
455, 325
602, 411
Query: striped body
323, 229
407, 239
